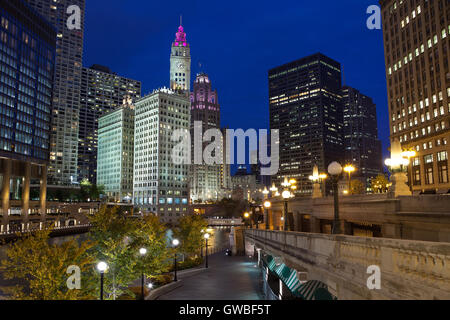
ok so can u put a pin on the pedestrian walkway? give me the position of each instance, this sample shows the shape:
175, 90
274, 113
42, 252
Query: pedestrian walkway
227, 278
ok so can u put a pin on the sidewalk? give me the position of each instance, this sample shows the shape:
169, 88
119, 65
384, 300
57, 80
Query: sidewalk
227, 278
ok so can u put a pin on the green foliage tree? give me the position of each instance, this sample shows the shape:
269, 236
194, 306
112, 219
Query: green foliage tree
119, 238
357, 187
379, 184
40, 268
189, 231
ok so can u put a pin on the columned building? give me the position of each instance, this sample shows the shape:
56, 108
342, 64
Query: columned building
115, 152
362, 146
417, 45
205, 180
66, 92
27, 63
305, 106
101, 91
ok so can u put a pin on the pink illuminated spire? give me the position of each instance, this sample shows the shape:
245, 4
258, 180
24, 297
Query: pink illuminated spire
180, 37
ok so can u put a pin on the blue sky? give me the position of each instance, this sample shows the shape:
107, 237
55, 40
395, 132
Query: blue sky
237, 42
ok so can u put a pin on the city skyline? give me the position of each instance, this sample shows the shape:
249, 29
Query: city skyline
365, 71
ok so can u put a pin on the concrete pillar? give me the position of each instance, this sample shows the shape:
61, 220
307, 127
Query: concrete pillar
6, 184
43, 192
270, 217
315, 225
26, 192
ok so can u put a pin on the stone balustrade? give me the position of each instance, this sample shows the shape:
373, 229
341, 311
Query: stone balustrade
410, 269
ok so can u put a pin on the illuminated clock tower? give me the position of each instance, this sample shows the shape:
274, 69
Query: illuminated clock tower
180, 62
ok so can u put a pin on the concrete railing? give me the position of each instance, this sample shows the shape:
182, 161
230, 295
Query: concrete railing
409, 269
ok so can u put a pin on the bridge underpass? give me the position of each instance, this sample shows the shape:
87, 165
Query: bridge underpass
409, 269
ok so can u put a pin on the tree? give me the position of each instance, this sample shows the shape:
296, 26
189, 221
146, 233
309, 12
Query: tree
119, 238
189, 231
379, 184
40, 268
357, 187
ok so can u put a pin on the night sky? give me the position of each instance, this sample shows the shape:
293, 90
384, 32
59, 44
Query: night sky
237, 42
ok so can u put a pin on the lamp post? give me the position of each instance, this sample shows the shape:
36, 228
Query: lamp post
349, 169
206, 236
335, 170
246, 217
142, 252
267, 205
286, 195
201, 244
266, 209
102, 267
175, 243
409, 154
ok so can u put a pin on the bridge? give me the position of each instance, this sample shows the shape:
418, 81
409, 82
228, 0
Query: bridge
225, 222
410, 269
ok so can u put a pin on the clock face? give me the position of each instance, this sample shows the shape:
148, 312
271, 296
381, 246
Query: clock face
180, 65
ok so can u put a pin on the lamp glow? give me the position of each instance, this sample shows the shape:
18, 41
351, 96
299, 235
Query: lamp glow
206, 236
335, 168
142, 251
102, 266
267, 204
175, 242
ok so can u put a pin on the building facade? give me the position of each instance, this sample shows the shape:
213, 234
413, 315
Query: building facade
101, 91
180, 62
204, 180
116, 152
305, 106
66, 92
27, 63
362, 146
161, 185
417, 43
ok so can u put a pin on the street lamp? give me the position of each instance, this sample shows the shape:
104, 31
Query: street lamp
102, 267
266, 208
286, 195
206, 236
409, 154
246, 217
335, 170
142, 252
175, 243
349, 169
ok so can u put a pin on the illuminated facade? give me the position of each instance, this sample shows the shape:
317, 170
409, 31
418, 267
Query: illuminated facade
305, 106
205, 180
417, 44
101, 91
180, 62
160, 185
66, 91
362, 146
115, 152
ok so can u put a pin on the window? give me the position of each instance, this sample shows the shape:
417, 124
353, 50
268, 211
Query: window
428, 160
443, 166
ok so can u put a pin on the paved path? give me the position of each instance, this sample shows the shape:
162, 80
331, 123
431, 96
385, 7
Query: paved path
227, 278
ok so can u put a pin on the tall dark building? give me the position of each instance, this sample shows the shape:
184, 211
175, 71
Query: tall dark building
27, 60
101, 91
204, 180
417, 55
66, 92
362, 146
305, 106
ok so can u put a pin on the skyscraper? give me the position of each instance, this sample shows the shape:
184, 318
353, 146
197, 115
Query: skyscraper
160, 185
362, 146
66, 91
27, 61
116, 150
305, 106
101, 91
417, 44
205, 180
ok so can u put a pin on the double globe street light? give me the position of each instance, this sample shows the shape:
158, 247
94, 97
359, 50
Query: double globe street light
175, 244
